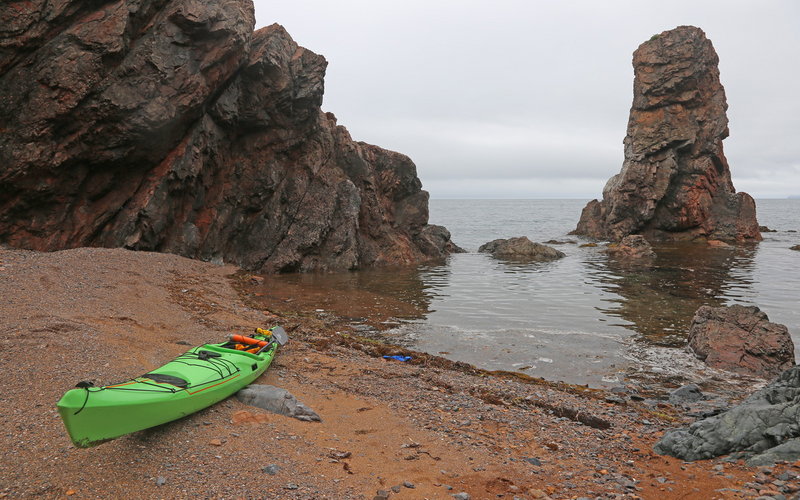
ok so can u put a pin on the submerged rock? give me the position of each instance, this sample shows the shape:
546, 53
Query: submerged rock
520, 248
173, 127
765, 427
633, 246
675, 183
741, 339
276, 400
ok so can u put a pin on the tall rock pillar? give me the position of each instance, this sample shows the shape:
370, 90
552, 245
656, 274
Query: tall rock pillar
675, 183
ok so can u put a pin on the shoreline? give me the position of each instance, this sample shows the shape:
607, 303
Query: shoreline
106, 314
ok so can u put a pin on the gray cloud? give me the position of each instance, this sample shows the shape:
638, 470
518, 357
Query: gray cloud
531, 98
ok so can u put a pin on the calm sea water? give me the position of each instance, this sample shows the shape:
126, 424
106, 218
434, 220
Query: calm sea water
582, 319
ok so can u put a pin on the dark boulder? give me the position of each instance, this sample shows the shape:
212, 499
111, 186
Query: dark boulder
689, 393
741, 339
520, 248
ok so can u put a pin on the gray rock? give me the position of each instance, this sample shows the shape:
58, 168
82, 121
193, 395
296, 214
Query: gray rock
278, 401
381, 495
409, 484
462, 496
520, 248
271, 469
686, 394
161, 481
291, 486
764, 427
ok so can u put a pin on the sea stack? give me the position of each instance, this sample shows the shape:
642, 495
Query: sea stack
173, 127
675, 184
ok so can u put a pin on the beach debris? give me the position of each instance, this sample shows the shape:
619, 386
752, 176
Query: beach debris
278, 401
398, 357
741, 339
762, 429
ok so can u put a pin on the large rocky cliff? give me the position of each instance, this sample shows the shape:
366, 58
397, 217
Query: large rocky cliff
675, 183
172, 126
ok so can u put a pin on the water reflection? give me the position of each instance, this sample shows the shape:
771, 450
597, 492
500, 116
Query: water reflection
660, 298
370, 296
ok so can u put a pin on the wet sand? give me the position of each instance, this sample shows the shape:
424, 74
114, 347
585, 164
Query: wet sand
442, 427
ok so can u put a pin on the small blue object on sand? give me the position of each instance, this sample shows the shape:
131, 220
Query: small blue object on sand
397, 357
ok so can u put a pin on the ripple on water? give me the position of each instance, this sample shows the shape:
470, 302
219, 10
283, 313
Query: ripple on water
594, 319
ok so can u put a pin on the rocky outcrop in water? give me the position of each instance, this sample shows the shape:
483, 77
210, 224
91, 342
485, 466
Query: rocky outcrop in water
173, 127
742, 340
520, 248
764, 428
675, 183
633, 246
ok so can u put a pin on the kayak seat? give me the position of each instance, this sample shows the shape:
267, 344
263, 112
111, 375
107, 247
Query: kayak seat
166, 379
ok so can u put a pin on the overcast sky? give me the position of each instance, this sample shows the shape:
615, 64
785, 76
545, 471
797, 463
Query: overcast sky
530, 99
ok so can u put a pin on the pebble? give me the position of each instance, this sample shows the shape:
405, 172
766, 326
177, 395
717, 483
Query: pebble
409, 484
290, 486
161, 481
215, 442
381, 495
396, 488
461, 496
271, 469
533, 461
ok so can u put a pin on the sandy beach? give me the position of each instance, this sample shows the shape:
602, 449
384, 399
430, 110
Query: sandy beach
427, 428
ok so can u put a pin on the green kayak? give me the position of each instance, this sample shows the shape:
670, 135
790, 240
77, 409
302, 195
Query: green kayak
194, 380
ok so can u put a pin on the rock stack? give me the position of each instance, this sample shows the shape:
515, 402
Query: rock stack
675, 183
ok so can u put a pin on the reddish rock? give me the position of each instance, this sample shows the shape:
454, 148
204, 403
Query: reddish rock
633, 246
173, 127
742, 340
675, 183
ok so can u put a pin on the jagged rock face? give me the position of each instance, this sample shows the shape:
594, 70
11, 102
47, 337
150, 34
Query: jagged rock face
675, 183
172, 126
